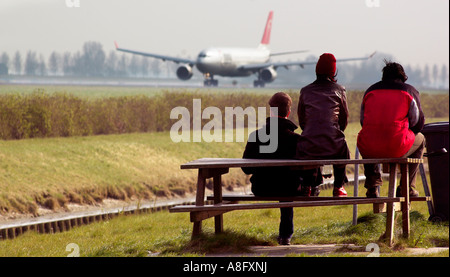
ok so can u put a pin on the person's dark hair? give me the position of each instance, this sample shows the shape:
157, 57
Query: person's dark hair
332, 78
282, 101
393, 71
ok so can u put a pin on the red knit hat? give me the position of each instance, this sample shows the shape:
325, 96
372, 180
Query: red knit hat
326, 65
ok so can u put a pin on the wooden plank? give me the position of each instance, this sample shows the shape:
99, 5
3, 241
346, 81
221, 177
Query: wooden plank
390, 209
199, 200
405, 206
247, 197
252, 206
218, 219
229, 162
280, 198
199, 216
382, 207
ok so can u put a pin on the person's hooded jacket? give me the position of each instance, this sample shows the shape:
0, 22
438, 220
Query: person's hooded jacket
390, 117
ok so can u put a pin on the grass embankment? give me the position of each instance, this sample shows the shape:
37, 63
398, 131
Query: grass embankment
167, 234
53, 172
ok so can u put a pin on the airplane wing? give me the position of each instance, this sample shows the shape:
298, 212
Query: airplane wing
256, 67
157, 56
288, 53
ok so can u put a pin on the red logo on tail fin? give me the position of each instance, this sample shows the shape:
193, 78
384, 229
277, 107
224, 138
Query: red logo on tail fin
266, 37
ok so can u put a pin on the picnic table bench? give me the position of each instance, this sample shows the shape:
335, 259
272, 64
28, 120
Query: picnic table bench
216, 167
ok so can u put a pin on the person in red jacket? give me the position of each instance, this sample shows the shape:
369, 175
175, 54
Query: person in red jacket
391, 119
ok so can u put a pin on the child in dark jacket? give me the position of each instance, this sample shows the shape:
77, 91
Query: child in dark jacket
276, 181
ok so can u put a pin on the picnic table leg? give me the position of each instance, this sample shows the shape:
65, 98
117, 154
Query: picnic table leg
390, 220
199, 200
218, 219
405, 205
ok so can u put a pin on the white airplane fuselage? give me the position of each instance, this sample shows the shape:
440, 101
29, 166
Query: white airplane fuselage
226, 61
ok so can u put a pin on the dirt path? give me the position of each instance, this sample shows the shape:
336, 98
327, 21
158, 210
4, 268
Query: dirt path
322, 250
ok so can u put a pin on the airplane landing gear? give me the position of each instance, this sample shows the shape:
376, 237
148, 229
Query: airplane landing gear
258, 83
209, 81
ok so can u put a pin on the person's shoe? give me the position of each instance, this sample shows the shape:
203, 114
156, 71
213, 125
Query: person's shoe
412, 192
339, 192
315, 191
284, 241
372, 192
305, 191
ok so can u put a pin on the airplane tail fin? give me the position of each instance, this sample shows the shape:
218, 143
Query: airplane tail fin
266, 36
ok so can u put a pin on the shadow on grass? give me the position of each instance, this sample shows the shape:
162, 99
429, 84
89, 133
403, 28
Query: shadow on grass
210, 243
370, 229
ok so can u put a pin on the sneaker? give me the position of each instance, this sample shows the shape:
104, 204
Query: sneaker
284, 241
372, 192
339, 192
412, 192
315, 191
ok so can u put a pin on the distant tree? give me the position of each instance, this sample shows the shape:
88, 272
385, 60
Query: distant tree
4, 59
93, 59
17, 63
415, 75
426, 75
134, 67
111, 64
67, 66
435, 75
144, 66
31, 63
155, 66
122, 66
42, 68
444, 76
78, 67
54, 63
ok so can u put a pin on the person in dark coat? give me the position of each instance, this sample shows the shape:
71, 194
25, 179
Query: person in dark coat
323, 117
276, 181
391, 119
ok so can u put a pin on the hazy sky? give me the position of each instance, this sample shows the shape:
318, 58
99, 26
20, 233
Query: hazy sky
415, 32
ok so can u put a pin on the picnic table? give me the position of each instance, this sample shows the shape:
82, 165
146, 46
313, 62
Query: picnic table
216, 167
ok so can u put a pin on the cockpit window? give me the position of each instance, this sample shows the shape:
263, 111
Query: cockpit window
202, 55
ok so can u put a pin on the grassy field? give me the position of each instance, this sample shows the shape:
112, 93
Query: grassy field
117, 91
53, 172
169, 235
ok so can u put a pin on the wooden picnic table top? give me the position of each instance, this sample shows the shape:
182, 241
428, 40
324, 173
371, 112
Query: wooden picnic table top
205, 163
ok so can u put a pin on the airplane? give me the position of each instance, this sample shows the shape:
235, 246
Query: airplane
234, 62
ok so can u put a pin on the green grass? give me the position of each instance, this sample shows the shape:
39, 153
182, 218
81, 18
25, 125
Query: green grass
53, 172
169, 234
117, 91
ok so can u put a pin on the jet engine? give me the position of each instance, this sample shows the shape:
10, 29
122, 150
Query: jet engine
268, 74
184, 72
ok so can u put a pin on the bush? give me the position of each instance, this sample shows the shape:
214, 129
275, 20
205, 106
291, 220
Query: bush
61, 115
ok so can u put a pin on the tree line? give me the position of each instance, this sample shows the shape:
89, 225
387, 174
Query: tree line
90, 61
93, 61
